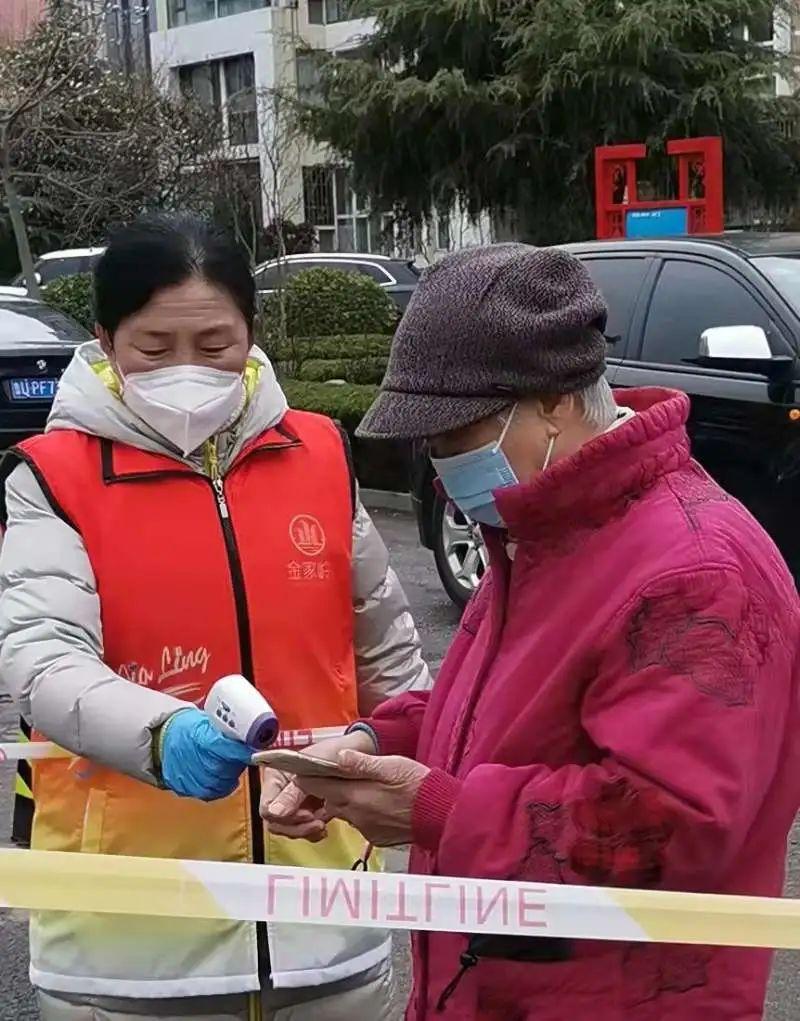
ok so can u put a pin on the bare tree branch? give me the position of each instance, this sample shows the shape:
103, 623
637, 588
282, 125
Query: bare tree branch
90, 146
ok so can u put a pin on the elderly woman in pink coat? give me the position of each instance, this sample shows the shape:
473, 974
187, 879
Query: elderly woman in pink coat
620, 705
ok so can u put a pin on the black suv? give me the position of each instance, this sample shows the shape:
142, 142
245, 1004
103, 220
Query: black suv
666, 297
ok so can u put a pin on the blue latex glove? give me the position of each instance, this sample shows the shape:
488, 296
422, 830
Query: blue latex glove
196, 760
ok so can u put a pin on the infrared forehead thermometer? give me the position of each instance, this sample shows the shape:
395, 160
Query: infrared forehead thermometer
239, 711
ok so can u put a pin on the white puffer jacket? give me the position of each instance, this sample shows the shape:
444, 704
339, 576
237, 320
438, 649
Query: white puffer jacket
51, 659
51, 638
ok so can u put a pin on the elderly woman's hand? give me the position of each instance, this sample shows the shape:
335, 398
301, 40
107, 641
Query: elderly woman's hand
287, 809
377, 798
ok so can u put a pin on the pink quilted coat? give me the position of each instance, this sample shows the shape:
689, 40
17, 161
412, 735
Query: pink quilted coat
619, 708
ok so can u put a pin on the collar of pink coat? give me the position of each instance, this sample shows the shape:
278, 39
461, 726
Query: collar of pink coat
606, 474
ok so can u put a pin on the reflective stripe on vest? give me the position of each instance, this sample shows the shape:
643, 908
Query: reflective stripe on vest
198, 580
22, 816
22, 785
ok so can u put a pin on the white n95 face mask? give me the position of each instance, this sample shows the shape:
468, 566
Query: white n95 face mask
186, 404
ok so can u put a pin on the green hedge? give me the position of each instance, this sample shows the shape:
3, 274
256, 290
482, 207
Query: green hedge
378, 464
74, 296
348, 403
335, 347
362, 370
328, 301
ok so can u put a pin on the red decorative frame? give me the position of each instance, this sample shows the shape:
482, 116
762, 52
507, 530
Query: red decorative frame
700, 185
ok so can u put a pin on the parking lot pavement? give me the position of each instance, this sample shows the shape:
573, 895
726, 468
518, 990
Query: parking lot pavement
436, 620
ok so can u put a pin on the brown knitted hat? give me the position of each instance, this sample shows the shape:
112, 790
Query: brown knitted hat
485, 327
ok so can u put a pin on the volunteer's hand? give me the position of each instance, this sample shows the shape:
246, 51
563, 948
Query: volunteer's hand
377, 798
287, 809
196, 760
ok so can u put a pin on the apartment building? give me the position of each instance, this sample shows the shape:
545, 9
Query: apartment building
781, 32
233, 55
18, 18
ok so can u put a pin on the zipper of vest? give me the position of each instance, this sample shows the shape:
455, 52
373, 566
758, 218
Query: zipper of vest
219, 491
248, 669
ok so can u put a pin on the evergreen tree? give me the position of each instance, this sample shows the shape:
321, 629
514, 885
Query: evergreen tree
499, 104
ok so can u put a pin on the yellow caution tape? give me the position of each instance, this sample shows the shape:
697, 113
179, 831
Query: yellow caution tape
113, 884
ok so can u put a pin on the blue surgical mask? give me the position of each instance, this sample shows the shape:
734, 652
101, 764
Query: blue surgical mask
470, 479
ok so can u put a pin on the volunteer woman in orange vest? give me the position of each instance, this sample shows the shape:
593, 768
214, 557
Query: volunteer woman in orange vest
177, 523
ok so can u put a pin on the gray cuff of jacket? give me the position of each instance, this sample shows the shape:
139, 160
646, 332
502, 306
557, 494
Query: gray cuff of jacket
109, 720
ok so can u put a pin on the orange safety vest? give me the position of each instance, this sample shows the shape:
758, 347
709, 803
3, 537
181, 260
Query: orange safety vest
197, 579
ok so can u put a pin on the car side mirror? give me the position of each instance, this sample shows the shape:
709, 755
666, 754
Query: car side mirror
741, 349
38, 278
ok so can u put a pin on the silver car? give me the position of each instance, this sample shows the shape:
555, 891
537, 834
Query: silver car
396, 277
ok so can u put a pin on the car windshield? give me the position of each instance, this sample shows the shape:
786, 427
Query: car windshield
404, 272
64, 266
784, 272
55, 269
31, 325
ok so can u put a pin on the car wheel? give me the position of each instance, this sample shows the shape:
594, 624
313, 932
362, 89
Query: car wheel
459, 550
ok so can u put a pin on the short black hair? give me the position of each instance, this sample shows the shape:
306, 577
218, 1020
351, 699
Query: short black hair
163, 250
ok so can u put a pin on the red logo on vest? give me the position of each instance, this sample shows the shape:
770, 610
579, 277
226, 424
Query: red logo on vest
307, 535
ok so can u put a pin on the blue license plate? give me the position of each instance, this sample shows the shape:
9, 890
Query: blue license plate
32, 389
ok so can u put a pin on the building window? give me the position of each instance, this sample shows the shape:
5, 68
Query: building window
318, 204
443, 233
352, 216
240, 91
761, 29
307, 66
337, 10
240, 205
342, 218
328, 12
189, 12
790, 128
201, 82
228, 88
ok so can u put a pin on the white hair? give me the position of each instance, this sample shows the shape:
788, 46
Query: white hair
599, 407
